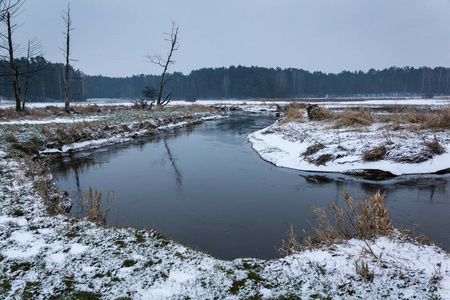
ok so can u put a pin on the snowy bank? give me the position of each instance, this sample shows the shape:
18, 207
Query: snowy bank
325, 147
43, 256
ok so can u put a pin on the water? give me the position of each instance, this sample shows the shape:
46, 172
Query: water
205, 187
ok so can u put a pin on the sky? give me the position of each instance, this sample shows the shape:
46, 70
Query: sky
113, 37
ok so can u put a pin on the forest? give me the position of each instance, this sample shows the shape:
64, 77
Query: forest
47, 84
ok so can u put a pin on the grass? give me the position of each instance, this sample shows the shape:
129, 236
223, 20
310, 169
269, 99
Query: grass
412, 119
318, 113
39, 170
89, 122
350, 118
375, 154
435, 146
365, 219
96, 210
293, 112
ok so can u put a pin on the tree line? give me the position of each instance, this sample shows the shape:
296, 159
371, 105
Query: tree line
233, 83
257, 82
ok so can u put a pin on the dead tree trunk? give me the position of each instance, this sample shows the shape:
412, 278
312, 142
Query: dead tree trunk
68, 22
165, 63
14, 69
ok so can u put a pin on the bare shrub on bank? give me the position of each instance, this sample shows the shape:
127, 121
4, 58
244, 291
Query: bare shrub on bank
365, 219
96, 210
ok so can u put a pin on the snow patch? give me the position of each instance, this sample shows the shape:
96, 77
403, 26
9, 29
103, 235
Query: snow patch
78, 249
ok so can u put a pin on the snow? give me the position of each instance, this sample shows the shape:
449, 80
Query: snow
65, 255
57, 258
125, 136
284, 149
22, 237
78, 249
49, 121
285, 144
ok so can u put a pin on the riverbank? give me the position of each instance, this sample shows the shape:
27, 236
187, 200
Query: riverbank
396, 142
43, 255
46, 130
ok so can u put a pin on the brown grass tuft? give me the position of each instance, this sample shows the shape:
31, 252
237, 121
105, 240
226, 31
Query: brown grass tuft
375, 154
313, 149
40, 171
96, 210
350, 118
201, 108
318, 113
10, 138
418, 119
362, 269
323, 159
293, 112
364, 219
435, 146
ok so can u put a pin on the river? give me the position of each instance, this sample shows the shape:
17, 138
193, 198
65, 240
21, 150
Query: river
204, 186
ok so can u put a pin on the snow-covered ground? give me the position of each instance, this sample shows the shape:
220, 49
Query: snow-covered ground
43, 256
285, 145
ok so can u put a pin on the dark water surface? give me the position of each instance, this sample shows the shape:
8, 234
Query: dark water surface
206, 187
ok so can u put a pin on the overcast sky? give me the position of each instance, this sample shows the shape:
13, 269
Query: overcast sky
112, 37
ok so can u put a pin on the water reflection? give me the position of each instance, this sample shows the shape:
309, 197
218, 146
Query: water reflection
172, 160
205, 186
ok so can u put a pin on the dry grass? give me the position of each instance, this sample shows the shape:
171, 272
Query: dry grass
201, 108
78, 132
96, 210
350, 118
322, 159
313, 149
318, 113
10, 138
375, 154
364, 219
417, 119
40, 171
362, 269
435, 146
293, 112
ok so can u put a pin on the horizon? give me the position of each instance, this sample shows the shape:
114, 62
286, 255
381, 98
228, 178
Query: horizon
245, 66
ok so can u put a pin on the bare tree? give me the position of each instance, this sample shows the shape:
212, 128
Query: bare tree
68, 25
165, 63
33, 47
9, 10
